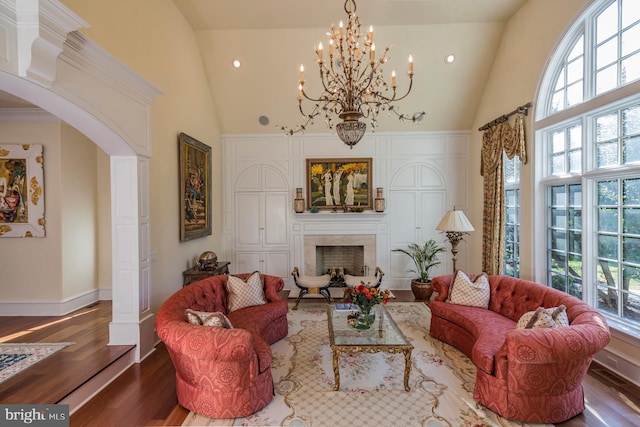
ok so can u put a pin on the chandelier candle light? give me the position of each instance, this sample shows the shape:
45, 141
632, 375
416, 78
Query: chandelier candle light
455, 224
352, 81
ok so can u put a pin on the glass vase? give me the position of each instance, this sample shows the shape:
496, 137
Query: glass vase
366, 318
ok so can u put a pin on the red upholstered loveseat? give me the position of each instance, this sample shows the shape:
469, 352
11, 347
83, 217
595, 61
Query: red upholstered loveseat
532, 375
223, 373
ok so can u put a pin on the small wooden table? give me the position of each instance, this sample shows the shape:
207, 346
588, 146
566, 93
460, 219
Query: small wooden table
384, 335
194, 273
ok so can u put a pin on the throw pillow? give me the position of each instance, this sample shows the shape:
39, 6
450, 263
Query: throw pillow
215, 319
474, 293
556, 316
536, 319
243, 294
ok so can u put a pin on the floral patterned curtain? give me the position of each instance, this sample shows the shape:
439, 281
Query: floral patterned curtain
498, 139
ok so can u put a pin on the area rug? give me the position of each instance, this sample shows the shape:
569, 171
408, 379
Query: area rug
14, 358
371, 385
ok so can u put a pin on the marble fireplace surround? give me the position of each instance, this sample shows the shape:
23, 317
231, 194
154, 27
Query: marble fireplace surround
311, 242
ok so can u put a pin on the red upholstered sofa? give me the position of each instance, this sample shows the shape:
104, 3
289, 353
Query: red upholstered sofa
223, 373
531, 375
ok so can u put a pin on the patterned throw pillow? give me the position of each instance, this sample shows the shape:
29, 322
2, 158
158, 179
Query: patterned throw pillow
215, 319
243, 294
474, 293
537, 319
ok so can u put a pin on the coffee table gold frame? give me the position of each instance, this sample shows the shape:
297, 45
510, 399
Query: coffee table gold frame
339, 349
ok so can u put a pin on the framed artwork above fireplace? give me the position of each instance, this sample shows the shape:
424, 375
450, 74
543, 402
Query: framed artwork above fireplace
335, 183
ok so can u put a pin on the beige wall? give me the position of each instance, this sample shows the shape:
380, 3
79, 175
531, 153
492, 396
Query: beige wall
32, 267
153, 38
79, 213
528, 41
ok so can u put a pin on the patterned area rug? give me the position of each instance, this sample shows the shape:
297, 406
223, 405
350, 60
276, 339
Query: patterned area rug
371, 385
15, 358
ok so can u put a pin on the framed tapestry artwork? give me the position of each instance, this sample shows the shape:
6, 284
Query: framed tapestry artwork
336, 183
195, 188
21, 191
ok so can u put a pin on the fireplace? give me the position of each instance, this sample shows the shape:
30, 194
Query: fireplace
355, 253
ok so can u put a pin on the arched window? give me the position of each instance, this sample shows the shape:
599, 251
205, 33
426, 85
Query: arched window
587, 130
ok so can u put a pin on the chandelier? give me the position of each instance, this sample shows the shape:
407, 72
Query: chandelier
352, 82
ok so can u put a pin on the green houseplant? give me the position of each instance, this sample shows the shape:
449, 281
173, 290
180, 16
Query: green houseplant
424, 257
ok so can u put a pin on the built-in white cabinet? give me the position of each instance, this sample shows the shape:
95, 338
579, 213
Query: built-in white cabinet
261, 221
423, 175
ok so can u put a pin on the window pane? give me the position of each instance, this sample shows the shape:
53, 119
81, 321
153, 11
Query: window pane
608, 220
631, 221
575, 288
631, 307
631, 191
578, 49
575, 266
557, 142
559, 240
607, 127
607, 79
607, 246
607, 154
607, 23
558, 196
575, 219
575, 161
630, 69
574, 94
608, 300
575, 70
630, 12
608, 193
557, 101
631, 277
558, 282
558, 261
575, 242
607, 273
630, 40
631, 250
607, 53
558, 218
575, 136
631, 121
575, 195
557, 164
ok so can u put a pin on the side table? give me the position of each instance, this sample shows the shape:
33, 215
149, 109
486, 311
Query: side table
194, 273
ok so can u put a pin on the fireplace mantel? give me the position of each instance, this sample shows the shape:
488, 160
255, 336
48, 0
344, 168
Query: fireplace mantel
323, 216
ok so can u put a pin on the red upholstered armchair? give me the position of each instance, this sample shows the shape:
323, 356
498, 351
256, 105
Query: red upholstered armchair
532, 375
223, 373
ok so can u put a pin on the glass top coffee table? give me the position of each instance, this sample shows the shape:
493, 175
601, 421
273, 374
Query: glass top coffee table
384, 336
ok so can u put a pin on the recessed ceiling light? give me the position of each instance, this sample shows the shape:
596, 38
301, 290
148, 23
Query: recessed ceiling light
236, 63
449, 59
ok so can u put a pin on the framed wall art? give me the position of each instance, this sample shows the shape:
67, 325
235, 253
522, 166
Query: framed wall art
21, 191
195, 188
336, 183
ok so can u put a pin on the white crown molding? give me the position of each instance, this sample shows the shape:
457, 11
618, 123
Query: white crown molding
26, 115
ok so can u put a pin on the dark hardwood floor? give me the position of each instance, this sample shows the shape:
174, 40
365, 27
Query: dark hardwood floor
144, 395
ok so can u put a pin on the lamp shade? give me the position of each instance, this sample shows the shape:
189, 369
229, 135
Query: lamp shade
455, 221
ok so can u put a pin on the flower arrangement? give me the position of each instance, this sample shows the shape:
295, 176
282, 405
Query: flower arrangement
366, 296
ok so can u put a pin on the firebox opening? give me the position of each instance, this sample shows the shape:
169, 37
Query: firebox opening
350, 258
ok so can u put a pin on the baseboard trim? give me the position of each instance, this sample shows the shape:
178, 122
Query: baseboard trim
619, 365
49, 308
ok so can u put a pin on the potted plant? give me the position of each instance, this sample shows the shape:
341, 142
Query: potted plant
424, 257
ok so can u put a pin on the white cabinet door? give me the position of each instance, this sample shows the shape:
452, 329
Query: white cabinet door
261, 220
267, 262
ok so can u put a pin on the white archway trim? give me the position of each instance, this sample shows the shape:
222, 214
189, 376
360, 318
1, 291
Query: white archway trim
44, 60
